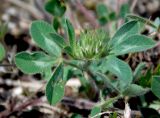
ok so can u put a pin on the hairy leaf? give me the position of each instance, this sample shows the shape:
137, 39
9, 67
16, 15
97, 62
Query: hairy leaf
55, 86
125, 31
39, 31
58, 39
142, 20
135, 90
155, 86
71, 33
32, 63
138, 70
107, 81
121, 70
134, 43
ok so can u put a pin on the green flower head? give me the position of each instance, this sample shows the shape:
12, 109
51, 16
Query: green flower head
92, 45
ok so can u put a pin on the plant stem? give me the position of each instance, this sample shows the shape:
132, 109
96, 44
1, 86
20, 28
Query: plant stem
7, 65
109, 101
106, 103
107, 81
72, 64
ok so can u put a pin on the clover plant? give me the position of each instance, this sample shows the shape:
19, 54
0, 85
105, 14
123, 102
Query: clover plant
94, 53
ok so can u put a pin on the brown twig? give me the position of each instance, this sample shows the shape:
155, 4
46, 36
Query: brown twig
136, 113
7, 65
88, 105
30, 102
78, 103
133, 5
87, 14
35, 12
32, 85
52, 109
23, 106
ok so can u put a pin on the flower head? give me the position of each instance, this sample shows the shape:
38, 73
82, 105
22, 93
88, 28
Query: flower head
92, 44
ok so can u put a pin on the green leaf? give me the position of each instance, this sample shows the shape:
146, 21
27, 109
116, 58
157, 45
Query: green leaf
95, 110
2, 52
124, 10
102, 10
155, 86
99, 65
56, 23
107, 81
121, 70
39, 31
157, 70
157, 22
138, 70
47, 74
113, 115
55, 86
135, 90
55, 7
146, 79
3, 30
57, 92
68, 73
134, 43
74, 115
68, 50
71, 33
32, 63
112, 16
142, 20
60, 41
126, 30
102, 13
